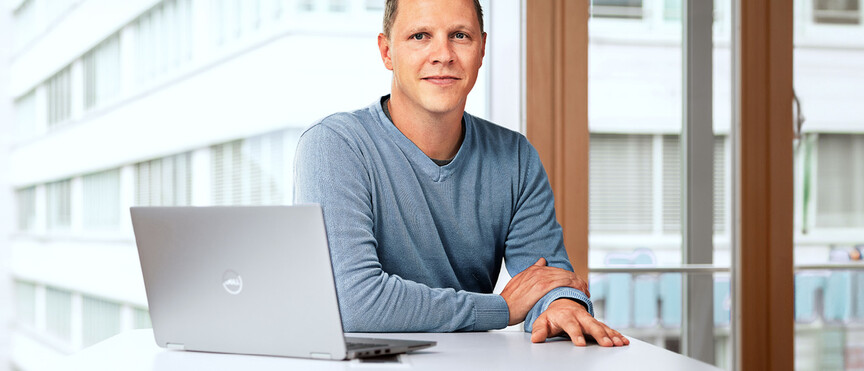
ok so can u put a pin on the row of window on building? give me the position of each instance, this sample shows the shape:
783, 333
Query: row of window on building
839, 12
34, 17
162, 40
72, 320
635, 184
253, 171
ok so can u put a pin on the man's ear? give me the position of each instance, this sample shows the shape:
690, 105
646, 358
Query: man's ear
482, 48
384, 48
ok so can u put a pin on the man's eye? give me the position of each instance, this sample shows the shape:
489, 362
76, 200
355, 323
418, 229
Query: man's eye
417, 36
460, 35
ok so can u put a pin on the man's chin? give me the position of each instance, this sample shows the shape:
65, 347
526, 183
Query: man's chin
443, 106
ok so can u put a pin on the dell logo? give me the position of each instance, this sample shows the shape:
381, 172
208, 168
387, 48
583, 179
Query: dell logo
232, 282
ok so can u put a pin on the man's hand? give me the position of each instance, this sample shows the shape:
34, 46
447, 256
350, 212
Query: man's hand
527, 287
570, 317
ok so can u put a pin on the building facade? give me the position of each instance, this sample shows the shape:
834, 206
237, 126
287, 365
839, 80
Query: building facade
201, 102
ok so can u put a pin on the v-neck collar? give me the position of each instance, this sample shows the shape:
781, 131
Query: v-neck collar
415, 155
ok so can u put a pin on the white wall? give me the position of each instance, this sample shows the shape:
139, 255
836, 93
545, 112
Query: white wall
282, 84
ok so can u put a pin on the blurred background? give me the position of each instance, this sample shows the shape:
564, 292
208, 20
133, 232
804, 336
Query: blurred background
110, 104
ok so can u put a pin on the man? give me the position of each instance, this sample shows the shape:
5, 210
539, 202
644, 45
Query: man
422, 200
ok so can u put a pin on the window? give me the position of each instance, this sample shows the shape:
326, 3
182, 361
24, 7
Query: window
672, 184
58, 313
672, 10
306, 5
164, 182
236, 19
377, 5
164, 39
623, 180
616, 8
59, 97
836, 11
25, 302
249, 171
621, 183
101, 206
59, 195
338, 6
102, 74
25, 114
840, 181
100, 320
26, 208
141, 318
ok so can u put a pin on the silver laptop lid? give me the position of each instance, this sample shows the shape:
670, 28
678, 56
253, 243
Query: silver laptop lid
252, 280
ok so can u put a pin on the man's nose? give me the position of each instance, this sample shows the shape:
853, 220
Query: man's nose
442, 51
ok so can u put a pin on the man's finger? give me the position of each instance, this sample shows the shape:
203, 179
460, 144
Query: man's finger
571, 327
598, 332
540, 330
617, 335
541, 262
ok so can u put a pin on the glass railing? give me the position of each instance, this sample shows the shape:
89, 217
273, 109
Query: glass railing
829, 317
645, 302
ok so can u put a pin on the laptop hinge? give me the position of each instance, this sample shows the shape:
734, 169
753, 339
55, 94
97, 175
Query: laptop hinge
320, 355
175, 346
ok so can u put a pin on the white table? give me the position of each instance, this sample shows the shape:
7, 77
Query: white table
497, 350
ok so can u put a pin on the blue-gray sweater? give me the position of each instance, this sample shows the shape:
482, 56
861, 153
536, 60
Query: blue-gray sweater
416, 246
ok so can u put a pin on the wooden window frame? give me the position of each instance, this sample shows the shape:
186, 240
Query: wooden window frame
556, 106
557, 111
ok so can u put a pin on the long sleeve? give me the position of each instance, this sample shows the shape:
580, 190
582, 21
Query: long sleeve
534, 232
333, 170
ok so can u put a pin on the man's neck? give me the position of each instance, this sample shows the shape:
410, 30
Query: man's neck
439, 136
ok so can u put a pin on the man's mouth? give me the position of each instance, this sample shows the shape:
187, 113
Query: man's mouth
442, 79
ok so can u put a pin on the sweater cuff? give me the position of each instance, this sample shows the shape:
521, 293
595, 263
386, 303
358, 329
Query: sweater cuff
490, 312
569, 293
555, 294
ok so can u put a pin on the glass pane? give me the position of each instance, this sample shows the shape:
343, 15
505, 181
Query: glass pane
141, 318
26, 199
100, 320
634, 87
829, 319
635, 120
25, 302
648, 306
59, 195
829, 179
836, 11
101, 206
59, 93
616, 8
58, 313
253, 171
164, 182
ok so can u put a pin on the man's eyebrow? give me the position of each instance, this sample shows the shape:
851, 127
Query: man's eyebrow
450, 29
463, 28
416, 30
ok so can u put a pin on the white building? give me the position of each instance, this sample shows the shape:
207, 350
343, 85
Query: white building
200, 102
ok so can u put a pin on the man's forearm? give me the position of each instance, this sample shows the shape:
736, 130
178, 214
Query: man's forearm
387, 303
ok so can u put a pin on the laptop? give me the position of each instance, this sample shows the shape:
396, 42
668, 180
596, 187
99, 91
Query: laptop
247, 280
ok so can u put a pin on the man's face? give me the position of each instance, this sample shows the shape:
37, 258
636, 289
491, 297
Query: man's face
435, 50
